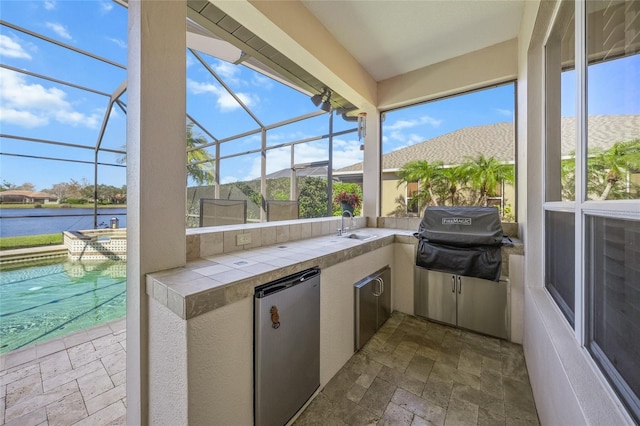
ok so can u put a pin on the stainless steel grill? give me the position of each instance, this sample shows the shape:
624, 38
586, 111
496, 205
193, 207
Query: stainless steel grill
461, 240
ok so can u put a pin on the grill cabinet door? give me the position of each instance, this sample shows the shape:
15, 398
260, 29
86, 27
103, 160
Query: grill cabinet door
435, 295
482, 306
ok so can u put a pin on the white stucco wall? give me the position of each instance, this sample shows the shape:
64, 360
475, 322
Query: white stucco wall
404, 262
337, 307
220, 354
167, 367
202, 369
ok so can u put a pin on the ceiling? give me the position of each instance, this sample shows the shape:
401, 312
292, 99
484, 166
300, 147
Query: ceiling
387, 38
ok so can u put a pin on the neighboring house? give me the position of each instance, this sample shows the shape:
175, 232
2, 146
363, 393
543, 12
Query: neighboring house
492, 140
17, 196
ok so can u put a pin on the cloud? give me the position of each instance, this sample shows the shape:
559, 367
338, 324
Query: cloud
505, 112
345, 153
408, 140
49, 4
262, 82
59, 29
120, 43
228, 72
21, 118
106, 6
32, 105
12, 49
224, 100
406, 124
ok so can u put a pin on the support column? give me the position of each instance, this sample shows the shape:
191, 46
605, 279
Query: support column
372, 166
156, 172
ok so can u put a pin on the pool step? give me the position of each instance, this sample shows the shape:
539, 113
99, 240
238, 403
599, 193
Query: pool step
32, 253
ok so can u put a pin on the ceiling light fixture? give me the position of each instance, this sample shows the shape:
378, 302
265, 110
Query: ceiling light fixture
323, 98
326, 105
317, 99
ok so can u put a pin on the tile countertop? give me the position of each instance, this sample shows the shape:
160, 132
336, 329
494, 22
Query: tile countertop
205, 284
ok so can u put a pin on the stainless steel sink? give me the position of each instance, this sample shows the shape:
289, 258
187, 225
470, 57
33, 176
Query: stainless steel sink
358, 236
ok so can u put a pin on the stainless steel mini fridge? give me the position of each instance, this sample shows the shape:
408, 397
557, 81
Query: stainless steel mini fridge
286, 346
373, 305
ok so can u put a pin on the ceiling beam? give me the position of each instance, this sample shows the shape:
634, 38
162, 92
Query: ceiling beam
290, 28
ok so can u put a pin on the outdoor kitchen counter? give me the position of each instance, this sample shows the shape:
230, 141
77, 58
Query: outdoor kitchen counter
206, 284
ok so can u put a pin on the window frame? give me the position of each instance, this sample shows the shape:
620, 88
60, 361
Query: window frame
581, 206
507, 82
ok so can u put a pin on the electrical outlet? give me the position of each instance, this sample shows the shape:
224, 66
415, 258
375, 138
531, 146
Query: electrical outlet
242, 239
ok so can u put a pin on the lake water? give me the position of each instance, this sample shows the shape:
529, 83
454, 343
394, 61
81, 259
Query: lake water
19, 222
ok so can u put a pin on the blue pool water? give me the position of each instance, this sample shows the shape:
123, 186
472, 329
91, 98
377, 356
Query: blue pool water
38, 303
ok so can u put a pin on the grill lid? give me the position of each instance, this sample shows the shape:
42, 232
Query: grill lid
461, 226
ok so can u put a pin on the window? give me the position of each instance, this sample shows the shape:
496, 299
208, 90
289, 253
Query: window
458, 150
613, 86
560, 260
592, 193
613, 314
560, 165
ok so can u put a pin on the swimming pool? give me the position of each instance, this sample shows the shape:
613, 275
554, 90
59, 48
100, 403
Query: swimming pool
40, 302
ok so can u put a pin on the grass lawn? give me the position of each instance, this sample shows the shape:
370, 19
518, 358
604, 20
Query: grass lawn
10, 243
62, 206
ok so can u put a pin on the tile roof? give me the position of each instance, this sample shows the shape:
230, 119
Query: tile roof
23, 193
497, 140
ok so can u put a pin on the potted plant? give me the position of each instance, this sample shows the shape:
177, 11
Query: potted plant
348, 201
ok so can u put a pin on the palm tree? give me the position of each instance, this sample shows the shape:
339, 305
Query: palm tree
452, 179
615, 163
427, 174
199, 162
485, 174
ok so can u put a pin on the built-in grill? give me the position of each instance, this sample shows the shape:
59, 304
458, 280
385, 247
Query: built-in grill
461, 240
457, 274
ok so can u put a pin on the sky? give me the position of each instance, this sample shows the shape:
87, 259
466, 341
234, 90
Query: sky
31, 107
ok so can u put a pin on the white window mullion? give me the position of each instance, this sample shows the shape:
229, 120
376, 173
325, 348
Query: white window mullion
581, 166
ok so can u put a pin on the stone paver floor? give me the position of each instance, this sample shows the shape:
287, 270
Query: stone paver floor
416, 372
412, 372
78, 379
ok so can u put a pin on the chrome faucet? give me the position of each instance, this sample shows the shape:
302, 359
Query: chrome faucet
342, 229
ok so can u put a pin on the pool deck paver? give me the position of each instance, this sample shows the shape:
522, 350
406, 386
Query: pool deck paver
78, 379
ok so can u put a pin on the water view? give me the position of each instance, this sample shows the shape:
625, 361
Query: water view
40, 302
20, 222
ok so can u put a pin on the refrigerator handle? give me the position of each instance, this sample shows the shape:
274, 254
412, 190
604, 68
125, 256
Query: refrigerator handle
308, 274
459, 284
453, 283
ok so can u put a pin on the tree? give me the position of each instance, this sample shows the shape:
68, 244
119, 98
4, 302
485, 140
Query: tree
27, 186
607, 173
199, 162
613, 166
427, 174
60, 190
450, 183
313, 198
485, 174
5, 185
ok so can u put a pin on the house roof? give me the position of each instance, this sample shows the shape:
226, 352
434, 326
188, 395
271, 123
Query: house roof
23, 193
320, 171
497, 140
